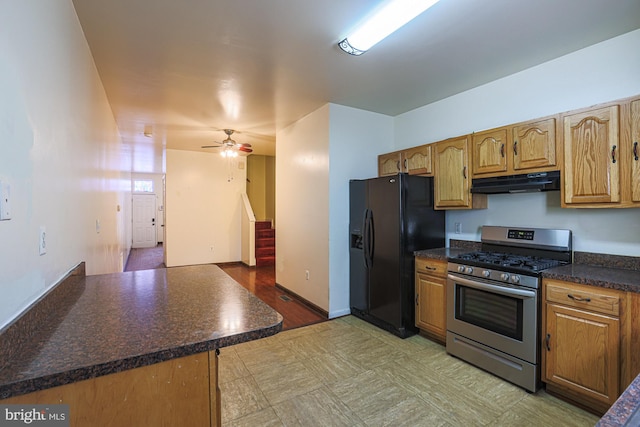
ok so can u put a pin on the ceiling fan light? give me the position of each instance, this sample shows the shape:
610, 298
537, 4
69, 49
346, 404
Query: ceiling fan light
229, 152
388, 19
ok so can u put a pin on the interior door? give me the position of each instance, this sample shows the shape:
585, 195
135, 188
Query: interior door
144, 221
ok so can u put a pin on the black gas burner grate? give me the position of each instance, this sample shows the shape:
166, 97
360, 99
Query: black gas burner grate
499, 259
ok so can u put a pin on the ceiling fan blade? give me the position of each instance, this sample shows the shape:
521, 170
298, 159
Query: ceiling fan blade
245, 149
210, 146
244, 144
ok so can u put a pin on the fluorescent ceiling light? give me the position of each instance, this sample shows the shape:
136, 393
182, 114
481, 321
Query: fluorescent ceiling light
389, 18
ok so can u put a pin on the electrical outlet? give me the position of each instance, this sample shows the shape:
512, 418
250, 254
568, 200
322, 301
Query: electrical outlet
306, 274
458, 227
42, 240
211, 248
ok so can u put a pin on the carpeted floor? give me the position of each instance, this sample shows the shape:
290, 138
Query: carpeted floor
145, 259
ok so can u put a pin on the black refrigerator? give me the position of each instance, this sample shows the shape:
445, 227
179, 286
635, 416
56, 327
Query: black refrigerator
389, 218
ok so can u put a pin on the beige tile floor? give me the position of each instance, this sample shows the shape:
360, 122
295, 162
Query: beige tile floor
346, 372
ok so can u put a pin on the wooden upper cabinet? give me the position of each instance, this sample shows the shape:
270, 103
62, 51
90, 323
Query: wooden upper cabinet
591, 153
414, 161
489, 151
534, 145
418, 160
634, 154
452, 178
389, 164
516, 149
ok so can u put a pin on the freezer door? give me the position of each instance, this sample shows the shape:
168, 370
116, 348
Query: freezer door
358, 273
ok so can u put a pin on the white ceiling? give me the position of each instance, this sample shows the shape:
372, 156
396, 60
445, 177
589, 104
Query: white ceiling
187, 69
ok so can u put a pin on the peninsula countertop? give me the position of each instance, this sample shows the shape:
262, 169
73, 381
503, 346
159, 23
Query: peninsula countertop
114, 322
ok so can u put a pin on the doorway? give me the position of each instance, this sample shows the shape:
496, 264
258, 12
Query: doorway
144, 221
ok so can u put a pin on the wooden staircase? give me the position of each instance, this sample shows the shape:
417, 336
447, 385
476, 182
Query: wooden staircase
265, 244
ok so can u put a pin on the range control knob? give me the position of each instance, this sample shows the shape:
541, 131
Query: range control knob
461, 268
486, 273
504, 276
515, 278
468, 270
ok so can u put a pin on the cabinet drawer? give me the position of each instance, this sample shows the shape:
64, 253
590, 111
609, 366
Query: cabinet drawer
430, 266
587, 298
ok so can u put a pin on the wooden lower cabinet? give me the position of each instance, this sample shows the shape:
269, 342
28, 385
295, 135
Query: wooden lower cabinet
581, 343
182, 391
431, 297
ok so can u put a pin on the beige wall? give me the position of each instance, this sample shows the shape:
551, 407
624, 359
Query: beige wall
316, 157
202, 208
61, 153
302, 232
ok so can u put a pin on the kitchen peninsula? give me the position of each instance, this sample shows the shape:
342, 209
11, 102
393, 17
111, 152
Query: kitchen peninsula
134, 348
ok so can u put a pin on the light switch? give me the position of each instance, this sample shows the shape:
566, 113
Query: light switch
42, 241
5, 201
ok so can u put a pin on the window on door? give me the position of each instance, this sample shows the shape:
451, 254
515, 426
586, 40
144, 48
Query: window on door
143, 186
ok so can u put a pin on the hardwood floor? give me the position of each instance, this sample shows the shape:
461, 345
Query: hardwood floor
261, 281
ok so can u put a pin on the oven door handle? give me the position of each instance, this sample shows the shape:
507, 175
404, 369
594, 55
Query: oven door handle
502, 290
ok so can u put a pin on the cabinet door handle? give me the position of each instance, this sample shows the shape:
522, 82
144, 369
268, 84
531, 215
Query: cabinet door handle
613, 153
515, 148
502, 150
464, 172
416, 299
405, 165
635, 151
398, 165
426, 267
547, 340
579, 298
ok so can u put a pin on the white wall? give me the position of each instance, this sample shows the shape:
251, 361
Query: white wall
316, 158
302, 188
355, 138
61, 153
202, 208
599, 73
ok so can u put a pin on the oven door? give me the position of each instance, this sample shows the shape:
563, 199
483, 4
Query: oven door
500, 316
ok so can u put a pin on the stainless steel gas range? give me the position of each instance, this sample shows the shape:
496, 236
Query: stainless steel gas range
494, 302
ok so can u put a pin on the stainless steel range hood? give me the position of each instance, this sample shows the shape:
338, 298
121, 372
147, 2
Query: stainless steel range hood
526, 183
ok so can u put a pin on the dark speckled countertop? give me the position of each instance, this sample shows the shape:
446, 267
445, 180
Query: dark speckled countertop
594, 275
626, 410
457, 247
116, 322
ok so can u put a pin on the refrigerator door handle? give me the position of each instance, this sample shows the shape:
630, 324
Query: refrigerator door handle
365, 237
371, 231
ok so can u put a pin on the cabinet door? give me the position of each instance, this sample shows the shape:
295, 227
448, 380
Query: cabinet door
591, 170
163, 394
582, 352
418, 161
534, 145
451, 184
431, 303
389, 164
635, 151
489, 151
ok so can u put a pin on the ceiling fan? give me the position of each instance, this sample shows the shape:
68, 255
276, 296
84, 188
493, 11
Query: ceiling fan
230, 145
